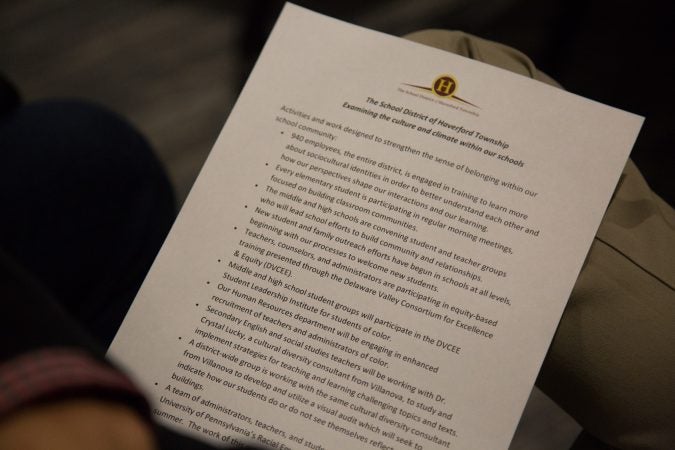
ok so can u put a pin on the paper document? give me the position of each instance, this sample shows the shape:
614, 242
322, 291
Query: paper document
377, 251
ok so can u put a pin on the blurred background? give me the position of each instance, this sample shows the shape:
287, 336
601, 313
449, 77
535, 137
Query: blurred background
175, 68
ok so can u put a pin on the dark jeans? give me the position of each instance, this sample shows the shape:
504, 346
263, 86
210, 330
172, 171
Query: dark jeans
85, 208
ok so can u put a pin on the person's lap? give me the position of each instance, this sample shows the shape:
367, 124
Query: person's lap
86, 206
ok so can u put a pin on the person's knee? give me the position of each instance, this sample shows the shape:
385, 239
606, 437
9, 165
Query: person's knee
74, 138
66, 147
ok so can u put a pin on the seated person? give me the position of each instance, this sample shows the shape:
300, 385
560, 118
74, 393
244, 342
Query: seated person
86, 206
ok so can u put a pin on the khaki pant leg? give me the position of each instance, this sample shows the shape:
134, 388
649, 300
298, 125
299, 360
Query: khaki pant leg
611, 364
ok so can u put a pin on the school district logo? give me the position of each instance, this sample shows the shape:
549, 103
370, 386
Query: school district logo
445, 87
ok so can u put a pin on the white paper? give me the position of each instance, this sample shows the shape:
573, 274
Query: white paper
364, 263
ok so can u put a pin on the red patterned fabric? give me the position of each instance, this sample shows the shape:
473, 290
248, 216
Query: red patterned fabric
55, 372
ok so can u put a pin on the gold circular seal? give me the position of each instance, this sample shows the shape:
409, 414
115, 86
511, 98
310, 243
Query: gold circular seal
445, 86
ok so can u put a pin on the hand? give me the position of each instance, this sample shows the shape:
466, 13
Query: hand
76, 425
